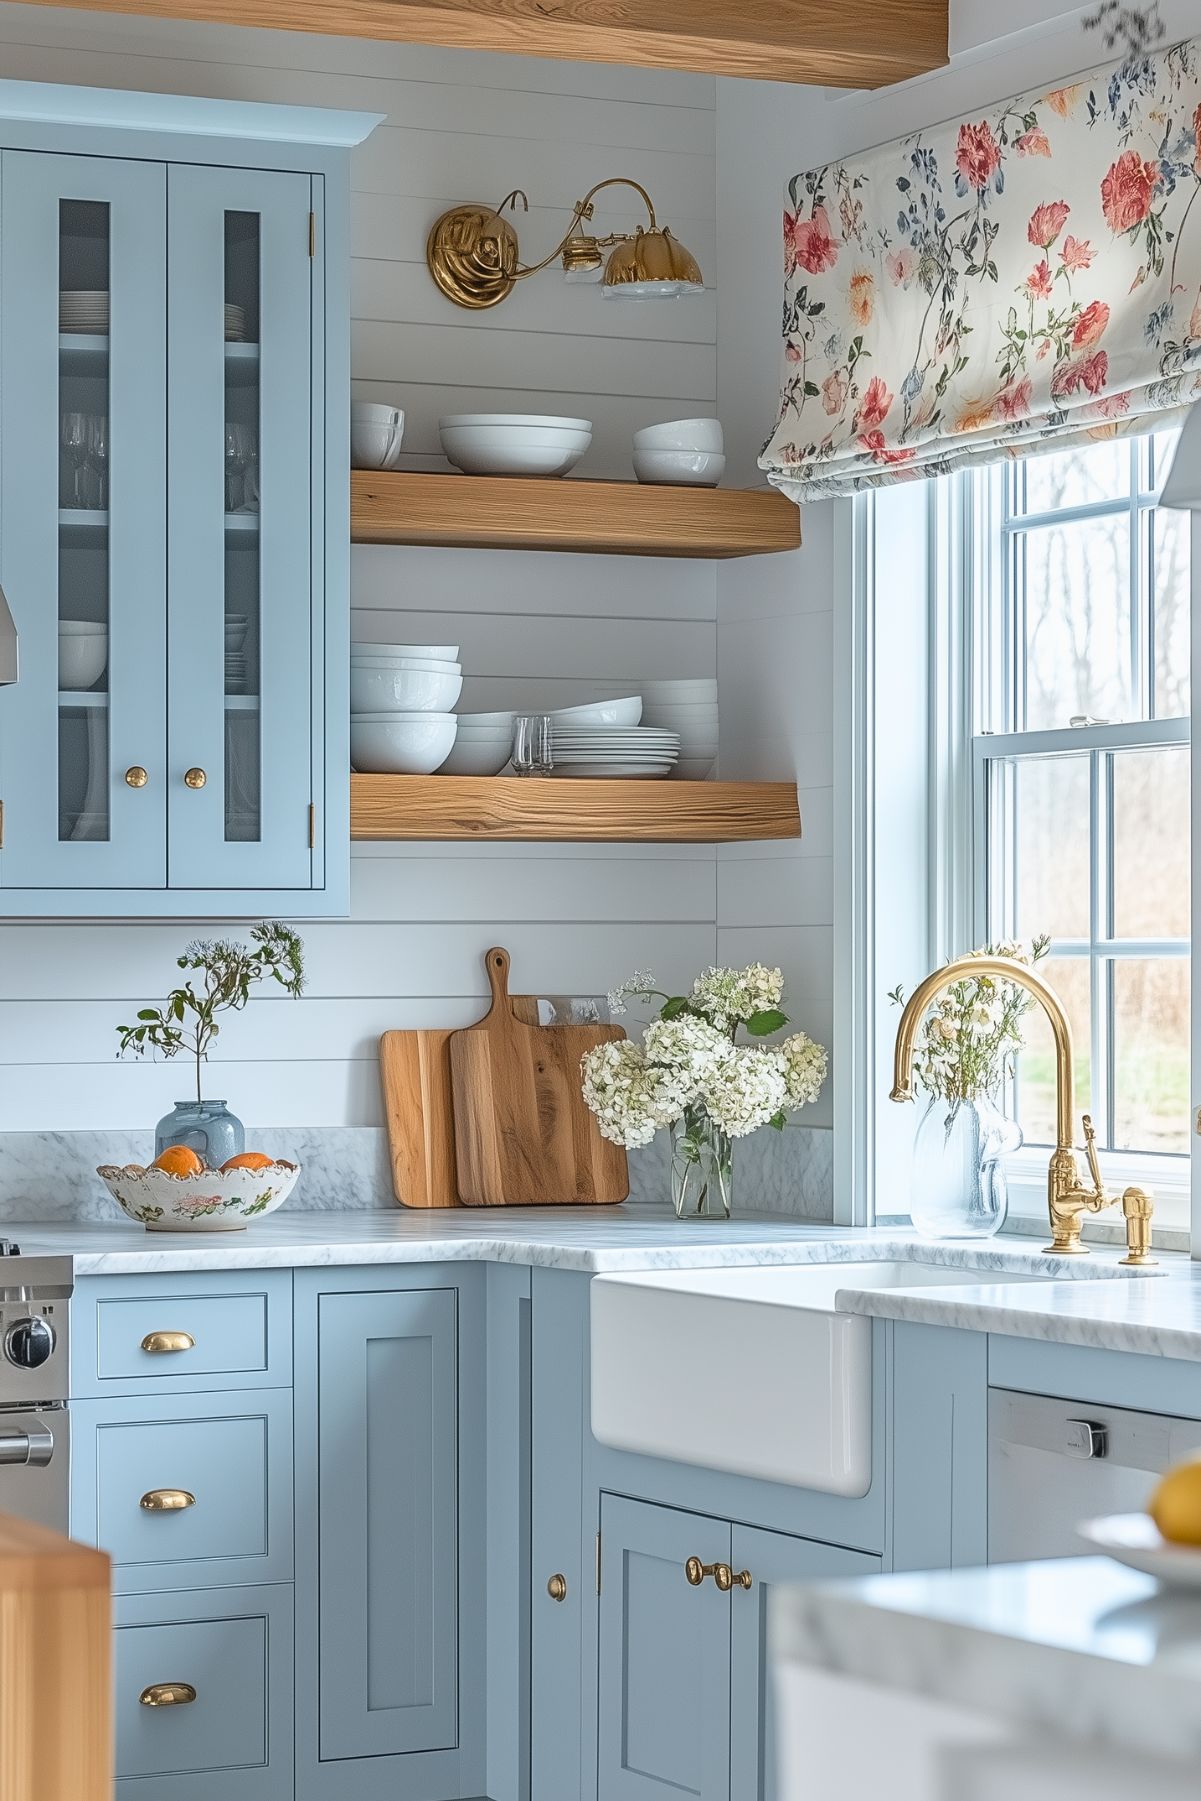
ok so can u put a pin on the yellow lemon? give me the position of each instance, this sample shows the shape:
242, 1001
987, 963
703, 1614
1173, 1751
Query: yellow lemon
1176, 1504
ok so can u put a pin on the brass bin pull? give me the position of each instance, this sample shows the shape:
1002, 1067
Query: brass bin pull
168, 1341
722, 1574
167, 1694
167, 1500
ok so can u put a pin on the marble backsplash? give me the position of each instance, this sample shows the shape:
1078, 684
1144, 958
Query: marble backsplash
52, 1175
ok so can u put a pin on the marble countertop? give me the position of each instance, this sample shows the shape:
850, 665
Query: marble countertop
1094, 1303
1073, 1646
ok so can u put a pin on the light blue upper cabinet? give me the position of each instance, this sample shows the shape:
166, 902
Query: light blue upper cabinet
174, 398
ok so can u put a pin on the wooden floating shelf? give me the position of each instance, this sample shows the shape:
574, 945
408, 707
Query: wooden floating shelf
428, 807
502, 512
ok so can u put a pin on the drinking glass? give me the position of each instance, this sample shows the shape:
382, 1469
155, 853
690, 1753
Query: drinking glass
75, 451
97, 458
235, 467
532, 744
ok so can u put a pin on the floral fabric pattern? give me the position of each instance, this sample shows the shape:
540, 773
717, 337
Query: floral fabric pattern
996, 287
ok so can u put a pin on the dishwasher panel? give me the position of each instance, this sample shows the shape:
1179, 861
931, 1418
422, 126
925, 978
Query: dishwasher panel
1053, 1463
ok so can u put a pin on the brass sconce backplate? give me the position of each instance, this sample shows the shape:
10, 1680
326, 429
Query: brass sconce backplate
472, 255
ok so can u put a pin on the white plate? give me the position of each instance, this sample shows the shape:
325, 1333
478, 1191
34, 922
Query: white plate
1134, 1539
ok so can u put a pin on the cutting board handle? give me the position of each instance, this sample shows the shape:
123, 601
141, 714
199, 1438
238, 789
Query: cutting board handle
497, 964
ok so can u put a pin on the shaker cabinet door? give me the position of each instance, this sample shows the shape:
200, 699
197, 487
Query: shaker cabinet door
245, 612
82, 521
664, 1721
387, 1523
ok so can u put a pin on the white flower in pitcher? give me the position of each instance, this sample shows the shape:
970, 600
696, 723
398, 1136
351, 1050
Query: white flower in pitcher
747, 1089
805, 1065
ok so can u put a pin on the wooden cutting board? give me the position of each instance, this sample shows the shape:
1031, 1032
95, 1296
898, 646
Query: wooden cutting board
414, 1072
523, 1135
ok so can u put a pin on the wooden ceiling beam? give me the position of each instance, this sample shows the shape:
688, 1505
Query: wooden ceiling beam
829, 43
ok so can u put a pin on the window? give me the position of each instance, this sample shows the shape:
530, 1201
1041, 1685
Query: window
1078, 650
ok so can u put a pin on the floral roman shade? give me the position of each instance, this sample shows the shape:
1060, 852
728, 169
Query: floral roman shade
997, 287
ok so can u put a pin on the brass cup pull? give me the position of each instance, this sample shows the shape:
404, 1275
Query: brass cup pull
556, 1588
722, 1574
168, 1341
167, 1694
195, 778
167, 1500
136, 777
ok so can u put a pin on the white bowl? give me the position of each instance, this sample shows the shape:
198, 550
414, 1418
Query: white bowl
500, 444
679, 468
502, 721
428, 665
215, 1201
601, 712
682, 434
81, 660
374, 446
434, 653
80, 628
474, 754
402, 744
403, 690
374, 412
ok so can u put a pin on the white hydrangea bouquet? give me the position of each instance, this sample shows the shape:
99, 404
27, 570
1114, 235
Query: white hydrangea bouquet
691, 1075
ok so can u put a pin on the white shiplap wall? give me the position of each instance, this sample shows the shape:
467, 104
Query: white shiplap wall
533, 629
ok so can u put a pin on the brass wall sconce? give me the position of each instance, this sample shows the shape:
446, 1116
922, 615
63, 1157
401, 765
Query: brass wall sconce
473, 254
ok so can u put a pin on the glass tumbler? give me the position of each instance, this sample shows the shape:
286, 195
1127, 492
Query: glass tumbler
532, 744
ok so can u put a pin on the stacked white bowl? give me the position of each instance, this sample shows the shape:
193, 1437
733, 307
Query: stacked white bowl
514, 443
82, 653
401, 696
685, 453
689, 708
483, 745
376, 435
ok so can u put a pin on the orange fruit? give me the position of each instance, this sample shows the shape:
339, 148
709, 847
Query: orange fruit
178, 1160
248, 1160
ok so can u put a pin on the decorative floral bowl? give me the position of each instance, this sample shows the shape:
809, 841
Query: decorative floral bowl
214, 1201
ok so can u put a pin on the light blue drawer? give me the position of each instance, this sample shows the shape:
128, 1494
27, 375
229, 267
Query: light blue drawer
181, 1333
234, 1740
231, 1453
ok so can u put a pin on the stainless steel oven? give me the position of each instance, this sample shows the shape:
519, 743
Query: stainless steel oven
35, 1294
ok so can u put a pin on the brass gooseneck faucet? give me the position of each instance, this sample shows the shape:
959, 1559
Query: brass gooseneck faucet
1067, 1200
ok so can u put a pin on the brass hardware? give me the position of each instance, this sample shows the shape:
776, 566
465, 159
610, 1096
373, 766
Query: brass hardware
598, 1563
472, 251
722, 1574
2, 847
167, 1500
136, 777
1067, 1200
556, 1588
167, 1694
312, 826
312, 234
168, 1341
195, 778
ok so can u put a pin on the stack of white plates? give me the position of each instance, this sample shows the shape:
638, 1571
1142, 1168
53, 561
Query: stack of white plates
235, 324
689, 708
236, 667
83, 310
635, 751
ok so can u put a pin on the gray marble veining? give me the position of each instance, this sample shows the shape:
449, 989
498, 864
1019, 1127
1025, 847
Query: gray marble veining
1079, 1647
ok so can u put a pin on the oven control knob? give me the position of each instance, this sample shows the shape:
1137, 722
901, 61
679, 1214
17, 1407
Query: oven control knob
29, 1342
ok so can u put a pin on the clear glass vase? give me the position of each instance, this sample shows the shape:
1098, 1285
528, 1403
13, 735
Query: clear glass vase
702, 1167
206, 1127
959, 1188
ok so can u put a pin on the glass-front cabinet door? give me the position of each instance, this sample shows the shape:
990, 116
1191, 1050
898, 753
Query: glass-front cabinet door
83, 352
241, 733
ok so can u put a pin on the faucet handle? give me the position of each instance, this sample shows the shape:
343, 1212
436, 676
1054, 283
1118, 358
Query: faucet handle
1090, 1151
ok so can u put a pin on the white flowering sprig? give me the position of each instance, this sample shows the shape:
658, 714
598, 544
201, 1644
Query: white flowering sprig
690, 1066
972, 1033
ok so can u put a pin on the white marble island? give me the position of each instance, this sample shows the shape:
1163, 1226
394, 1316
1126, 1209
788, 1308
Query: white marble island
1069, 1678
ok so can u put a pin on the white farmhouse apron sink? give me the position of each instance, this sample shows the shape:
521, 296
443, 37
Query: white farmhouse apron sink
749, 1370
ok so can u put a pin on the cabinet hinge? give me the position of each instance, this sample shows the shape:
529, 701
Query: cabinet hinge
312, 234
1, 825
598, 1563
312, 825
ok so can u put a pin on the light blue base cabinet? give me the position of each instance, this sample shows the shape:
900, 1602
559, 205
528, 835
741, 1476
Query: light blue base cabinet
174, 533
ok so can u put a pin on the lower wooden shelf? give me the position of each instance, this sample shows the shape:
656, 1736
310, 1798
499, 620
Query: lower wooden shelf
531, 809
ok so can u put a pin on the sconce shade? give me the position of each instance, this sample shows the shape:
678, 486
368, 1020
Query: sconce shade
1183, 486
652, 265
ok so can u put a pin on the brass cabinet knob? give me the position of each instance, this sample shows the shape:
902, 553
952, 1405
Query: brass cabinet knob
136, 777
722, 1574
168, 1341
167, 1694
556, 1588
696, 1571
194, 778
167, 1500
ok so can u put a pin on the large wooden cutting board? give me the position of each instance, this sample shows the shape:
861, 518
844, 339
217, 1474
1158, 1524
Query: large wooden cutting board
523, 1135
414, 1072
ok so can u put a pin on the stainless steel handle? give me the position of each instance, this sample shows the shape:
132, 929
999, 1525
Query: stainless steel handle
34, 1448
1085, 1438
